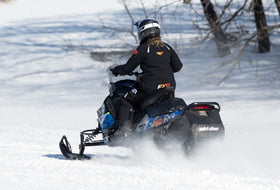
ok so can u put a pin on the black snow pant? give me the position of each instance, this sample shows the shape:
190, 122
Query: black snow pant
127, 106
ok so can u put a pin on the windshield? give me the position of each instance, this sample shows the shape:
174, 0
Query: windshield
112, 78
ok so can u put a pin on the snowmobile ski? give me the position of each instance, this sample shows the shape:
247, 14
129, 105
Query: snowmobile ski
66, 150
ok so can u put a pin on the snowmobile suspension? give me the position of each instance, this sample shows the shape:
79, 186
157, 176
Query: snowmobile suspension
87, 139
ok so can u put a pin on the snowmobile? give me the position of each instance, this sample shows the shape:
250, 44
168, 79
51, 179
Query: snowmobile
161, 117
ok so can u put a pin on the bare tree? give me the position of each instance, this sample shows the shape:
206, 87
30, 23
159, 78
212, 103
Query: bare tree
4, 1
127, 30
216, 29
263, 35
187, 1
234, 15
277, 2
234, 23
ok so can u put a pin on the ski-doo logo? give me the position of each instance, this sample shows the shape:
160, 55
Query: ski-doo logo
160, 52
208, 129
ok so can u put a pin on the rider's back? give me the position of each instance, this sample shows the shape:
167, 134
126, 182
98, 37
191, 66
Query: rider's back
158, 65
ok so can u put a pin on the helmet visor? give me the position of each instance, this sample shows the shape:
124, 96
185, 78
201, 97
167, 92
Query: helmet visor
146, 26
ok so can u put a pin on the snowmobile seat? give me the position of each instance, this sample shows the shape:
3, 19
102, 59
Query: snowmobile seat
166, 106
157, 97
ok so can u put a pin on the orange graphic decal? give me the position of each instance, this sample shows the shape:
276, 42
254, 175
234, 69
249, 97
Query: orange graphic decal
158, 122
160, 52
163, 85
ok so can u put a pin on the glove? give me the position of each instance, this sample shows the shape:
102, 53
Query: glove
116, 71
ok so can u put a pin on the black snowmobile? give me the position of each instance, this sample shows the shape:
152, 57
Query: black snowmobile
161, 116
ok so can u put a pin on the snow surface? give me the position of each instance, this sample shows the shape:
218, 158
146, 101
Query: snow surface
50, 87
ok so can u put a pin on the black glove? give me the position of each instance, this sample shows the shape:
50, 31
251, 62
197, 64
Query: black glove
117, 70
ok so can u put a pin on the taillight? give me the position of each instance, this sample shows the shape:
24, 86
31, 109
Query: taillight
202, 107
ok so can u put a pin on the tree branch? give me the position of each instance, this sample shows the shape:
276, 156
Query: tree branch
228, 21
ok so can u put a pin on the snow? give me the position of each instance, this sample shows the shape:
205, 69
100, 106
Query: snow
20, 10
50, 87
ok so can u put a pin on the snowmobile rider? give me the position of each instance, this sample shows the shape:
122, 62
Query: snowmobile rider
157, 60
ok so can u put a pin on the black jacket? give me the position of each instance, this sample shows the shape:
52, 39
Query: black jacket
157, 63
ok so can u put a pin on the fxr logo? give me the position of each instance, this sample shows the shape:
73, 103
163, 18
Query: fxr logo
160, 52
163, 85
